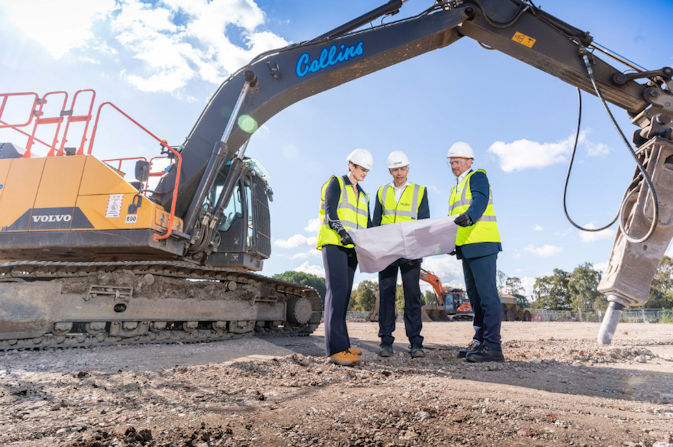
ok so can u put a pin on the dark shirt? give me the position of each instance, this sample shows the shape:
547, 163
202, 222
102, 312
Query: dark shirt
480, 189
332, 195
423, 209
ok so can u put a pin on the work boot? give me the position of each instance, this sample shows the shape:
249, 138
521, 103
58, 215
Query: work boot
385, 350
355, 351
416, 351
485, 354
462, 352
344, 358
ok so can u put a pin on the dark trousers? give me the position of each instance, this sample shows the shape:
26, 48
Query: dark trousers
482, 289
411, 270
340, 264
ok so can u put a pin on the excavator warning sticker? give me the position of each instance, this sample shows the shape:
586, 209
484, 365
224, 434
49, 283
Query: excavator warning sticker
114, 205
131, 218
523, 39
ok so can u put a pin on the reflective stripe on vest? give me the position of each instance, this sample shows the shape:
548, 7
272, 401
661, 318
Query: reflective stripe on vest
486, 228
353, 212
405, 209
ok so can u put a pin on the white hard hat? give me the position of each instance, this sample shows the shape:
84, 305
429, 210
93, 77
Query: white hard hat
460, 149
397, 159
361, 157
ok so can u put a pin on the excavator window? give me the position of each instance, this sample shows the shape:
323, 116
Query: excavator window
251, 222
234, 209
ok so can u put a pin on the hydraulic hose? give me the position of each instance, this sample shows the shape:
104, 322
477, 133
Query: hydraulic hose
641, 168
570, 167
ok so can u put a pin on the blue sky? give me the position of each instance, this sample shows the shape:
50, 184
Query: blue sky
160, 62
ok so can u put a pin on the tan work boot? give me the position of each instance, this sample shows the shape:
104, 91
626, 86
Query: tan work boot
344, 358
355, 351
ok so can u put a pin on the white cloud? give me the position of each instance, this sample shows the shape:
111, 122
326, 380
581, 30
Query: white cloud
545, 250
593, 236
163, 46
45, 22
447, 268
311, 268
298, 240
669, 250
527, 282
523, 154
313, 225
537, 228
601, 266
306, 254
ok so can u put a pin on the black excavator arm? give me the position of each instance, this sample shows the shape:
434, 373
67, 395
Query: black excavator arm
279, 78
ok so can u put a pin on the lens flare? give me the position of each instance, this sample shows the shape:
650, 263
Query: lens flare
247, 123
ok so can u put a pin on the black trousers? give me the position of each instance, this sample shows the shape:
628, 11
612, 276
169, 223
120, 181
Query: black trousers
340, 264
482, 289
411, 270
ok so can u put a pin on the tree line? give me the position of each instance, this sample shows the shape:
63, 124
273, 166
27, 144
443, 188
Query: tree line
561, 290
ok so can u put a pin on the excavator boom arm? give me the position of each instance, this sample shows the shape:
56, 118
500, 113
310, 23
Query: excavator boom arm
285, 76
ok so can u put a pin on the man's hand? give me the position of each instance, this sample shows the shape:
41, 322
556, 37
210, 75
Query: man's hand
346, 238
463, 220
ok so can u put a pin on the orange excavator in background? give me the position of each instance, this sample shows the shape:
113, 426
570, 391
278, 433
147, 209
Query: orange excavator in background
451, 302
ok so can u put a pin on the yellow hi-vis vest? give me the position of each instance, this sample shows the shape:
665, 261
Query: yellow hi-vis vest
486, 228
404, 210
353, 212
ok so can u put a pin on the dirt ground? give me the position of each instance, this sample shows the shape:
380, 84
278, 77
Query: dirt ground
557, 387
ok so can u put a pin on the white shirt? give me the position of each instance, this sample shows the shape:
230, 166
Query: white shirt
398, 190
461, 177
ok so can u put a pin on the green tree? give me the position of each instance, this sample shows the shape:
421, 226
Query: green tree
364, 296
513, 286
399, 298
551, 292
521, 300
583, 287
429, 297
305, 279
661, 292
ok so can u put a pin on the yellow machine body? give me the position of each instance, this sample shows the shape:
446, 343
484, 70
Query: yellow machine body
66, 205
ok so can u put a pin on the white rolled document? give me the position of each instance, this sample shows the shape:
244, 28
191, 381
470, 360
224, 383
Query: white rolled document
378, 247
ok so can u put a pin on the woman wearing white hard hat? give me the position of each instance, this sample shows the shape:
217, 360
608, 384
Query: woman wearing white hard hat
344, 205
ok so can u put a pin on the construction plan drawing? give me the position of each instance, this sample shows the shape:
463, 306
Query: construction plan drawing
378, 247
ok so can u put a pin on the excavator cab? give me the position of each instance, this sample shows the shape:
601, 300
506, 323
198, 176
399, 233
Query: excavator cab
245, 230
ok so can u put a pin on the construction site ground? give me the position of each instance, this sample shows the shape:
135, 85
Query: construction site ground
557, 387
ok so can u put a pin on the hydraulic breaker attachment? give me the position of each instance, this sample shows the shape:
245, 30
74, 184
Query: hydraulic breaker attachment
632, 266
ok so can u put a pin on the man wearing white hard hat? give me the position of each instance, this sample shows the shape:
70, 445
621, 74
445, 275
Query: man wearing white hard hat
344, 205
400, 201
477, 245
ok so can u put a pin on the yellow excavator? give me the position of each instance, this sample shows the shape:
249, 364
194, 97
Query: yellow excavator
94, 258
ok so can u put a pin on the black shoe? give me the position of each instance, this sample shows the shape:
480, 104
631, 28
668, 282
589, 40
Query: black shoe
485, 354
385, 350
472, 347
416, 351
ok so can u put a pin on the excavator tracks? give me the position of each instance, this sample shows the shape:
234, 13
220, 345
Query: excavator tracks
78, 304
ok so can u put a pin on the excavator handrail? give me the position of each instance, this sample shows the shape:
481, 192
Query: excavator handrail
164, 143
6, 96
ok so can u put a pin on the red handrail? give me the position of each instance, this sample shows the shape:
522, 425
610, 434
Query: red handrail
6, 96
11, 126
77, 118
120, 160
52, 120
171, 217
